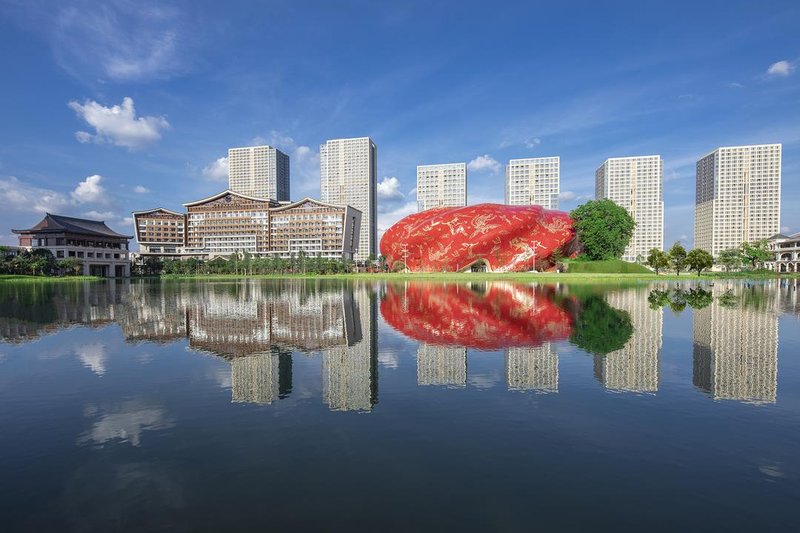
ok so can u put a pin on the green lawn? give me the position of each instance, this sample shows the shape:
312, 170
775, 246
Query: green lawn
611, 266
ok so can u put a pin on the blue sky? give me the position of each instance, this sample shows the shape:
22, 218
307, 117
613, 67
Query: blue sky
111, 107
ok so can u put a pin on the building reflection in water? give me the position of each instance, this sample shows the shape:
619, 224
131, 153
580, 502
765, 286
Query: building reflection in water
532, 369
256, 326
259, 327
735, 355
441, 365
634, 368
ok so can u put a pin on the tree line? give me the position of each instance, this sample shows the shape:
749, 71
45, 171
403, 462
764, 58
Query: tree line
37, 262
605, 229
245, 264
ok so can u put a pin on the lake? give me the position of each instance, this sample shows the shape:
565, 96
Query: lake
325, 405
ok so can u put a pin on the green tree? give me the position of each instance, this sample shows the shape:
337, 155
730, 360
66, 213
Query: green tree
699, 260
698, 298
71, 266
755, 253
677, 257
658, 298
603, 228
730, 259
657, 260
599, 328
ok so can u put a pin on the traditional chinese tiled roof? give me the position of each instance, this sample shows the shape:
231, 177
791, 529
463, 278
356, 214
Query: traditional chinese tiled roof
59, 223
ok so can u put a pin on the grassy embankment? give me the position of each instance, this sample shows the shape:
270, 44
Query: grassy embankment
19, 278
614, 271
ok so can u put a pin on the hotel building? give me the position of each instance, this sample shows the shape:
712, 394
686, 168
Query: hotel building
101, 250
738, 196
160, 232
637, 184
259, 171
229, 222
443, 185
533, 181
348, 176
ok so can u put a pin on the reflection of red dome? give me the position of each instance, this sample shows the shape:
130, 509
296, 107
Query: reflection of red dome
507, 237
506, 315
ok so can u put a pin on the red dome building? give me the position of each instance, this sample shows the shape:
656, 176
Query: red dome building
499, 238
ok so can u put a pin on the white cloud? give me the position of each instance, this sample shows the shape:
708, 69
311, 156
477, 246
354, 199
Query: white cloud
387, 219
124, 423
100, 215
217, 170
567, 195
116, 39
785, 230
16, 195
570, 196
533, 143
141, 189
735, 85
90, 191
780, 68
389, 189
484, 163
93, 356
118, 124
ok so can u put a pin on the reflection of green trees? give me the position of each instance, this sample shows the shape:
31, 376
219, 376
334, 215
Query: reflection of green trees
678, 299
599, 328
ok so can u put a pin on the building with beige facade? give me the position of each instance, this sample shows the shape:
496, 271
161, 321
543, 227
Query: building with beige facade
637, 184
160, 232
737, 196
533, 181
348, 176
229, 222
442, 185
259, 171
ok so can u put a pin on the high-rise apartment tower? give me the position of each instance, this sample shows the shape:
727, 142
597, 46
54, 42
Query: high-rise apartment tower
442, 185
738, 196
259, 171
348, 176
533, 181
637, 184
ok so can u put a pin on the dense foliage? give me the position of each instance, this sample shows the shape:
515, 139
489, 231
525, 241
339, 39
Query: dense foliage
699, 260
730, 259
755, 253
599, 328
245, 265
678, 299
677, 257
657, 260
603, 228
38, 262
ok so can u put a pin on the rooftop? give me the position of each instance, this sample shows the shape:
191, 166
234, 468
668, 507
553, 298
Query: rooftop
60, 223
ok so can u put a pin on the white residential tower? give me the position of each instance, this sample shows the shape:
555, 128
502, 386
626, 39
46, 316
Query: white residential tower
637, 184
533, 181
259, 171
738, 196
348, 176
442, 185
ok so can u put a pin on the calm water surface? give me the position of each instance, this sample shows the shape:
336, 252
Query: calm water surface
332, 406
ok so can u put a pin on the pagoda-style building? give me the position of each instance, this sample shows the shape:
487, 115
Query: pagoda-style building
103, 251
